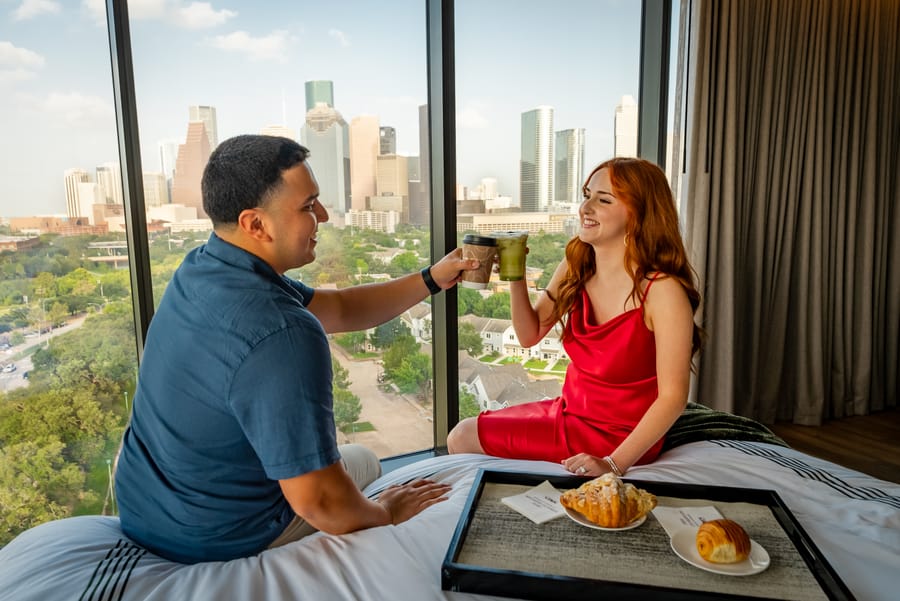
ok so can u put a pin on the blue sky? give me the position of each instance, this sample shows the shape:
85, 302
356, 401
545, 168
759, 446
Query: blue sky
250, 60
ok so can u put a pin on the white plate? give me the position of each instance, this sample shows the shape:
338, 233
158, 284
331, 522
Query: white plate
684, 543
577, 517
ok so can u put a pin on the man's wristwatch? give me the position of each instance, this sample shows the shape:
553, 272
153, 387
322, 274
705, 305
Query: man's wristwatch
429, 281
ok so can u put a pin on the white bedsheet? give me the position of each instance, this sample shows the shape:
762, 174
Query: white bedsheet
854, 519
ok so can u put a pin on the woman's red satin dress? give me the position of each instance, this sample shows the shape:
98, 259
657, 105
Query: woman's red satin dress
610, 384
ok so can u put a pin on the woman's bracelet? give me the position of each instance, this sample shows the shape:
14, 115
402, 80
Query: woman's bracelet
612, 464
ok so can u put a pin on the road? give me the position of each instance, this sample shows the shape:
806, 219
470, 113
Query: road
401, 424
16, 379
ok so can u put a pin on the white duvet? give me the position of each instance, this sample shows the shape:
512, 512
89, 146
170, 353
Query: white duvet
854, 519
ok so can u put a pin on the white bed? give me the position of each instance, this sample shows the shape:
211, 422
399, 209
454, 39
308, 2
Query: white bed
854, 520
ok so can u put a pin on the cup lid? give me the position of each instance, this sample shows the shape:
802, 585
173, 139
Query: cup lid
479, 240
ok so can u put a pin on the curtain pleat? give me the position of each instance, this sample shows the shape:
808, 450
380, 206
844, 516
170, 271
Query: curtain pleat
792, 194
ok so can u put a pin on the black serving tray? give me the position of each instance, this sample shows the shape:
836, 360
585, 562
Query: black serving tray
528, 583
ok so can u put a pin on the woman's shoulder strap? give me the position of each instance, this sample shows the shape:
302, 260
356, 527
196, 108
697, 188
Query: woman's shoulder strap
652, 277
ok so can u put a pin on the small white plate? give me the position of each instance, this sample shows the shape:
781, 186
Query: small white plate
577, 517
684, 543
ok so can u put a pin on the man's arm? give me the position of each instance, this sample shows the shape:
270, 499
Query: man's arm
369, 305
329, 500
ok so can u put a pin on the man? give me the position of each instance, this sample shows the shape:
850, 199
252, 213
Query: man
232, 447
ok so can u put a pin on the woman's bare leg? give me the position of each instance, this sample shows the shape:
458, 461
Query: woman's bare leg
463, 438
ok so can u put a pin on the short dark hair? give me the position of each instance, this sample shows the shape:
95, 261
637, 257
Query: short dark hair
244, 171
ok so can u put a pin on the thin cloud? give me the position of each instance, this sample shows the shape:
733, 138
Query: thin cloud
18, 64
197, 15
30, 9
77, 109
146, 9
471, 118
97, 11
19, 58
271, 47
201, 15
340, 36
10, 76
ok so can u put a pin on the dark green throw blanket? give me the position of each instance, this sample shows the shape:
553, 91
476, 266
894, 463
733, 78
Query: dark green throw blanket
699, 422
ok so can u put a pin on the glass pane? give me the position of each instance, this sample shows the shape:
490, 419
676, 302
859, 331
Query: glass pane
556, 94
67, 348
348, 81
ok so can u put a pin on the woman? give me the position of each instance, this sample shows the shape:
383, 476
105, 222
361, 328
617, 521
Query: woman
625, 296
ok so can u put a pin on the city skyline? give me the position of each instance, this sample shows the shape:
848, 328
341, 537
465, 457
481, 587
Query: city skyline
57, 89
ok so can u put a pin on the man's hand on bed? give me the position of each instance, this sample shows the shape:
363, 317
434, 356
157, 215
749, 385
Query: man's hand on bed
403, 501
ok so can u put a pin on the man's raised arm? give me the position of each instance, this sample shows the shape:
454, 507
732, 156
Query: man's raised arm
368, 305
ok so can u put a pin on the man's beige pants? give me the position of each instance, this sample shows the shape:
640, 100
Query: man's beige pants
363, 467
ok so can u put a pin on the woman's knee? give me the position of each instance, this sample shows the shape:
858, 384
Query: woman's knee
463, 438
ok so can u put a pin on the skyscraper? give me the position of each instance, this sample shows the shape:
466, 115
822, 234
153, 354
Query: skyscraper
569, 159
387, 140
207, 114
109, 179
364, 146
392, 185
420, 195
326, 135
319, 91
168, 154
536, 165
72, 178
192, 158
156, 192
488, 188
392, 175
626, 127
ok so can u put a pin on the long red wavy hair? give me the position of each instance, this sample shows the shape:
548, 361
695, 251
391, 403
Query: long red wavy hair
654, 240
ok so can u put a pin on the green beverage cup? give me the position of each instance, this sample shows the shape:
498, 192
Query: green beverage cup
512, 248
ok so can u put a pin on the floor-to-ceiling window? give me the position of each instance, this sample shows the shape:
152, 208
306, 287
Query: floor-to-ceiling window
68, 357
544, 93
348, 81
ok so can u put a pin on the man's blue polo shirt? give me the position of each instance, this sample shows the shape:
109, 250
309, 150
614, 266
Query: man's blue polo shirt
234, 394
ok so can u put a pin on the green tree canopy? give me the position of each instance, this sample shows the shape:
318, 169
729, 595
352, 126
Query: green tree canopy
469, 340
468, 404
497, 306
413, 374
403, 346
385, 334
469, 301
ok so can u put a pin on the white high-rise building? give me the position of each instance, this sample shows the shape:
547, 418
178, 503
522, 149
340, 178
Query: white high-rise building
488, 188
156, 191
626, 127
207, 114
109, 179
74, 207
536, 165
168, 156
326, 135
364, 146
569, 158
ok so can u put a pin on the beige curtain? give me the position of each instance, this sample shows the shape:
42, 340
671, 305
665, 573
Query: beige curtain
792, 206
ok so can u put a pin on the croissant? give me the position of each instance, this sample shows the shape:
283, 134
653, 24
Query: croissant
723, 541
609, 502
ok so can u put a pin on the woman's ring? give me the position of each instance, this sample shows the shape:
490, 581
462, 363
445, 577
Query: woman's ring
581, 469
